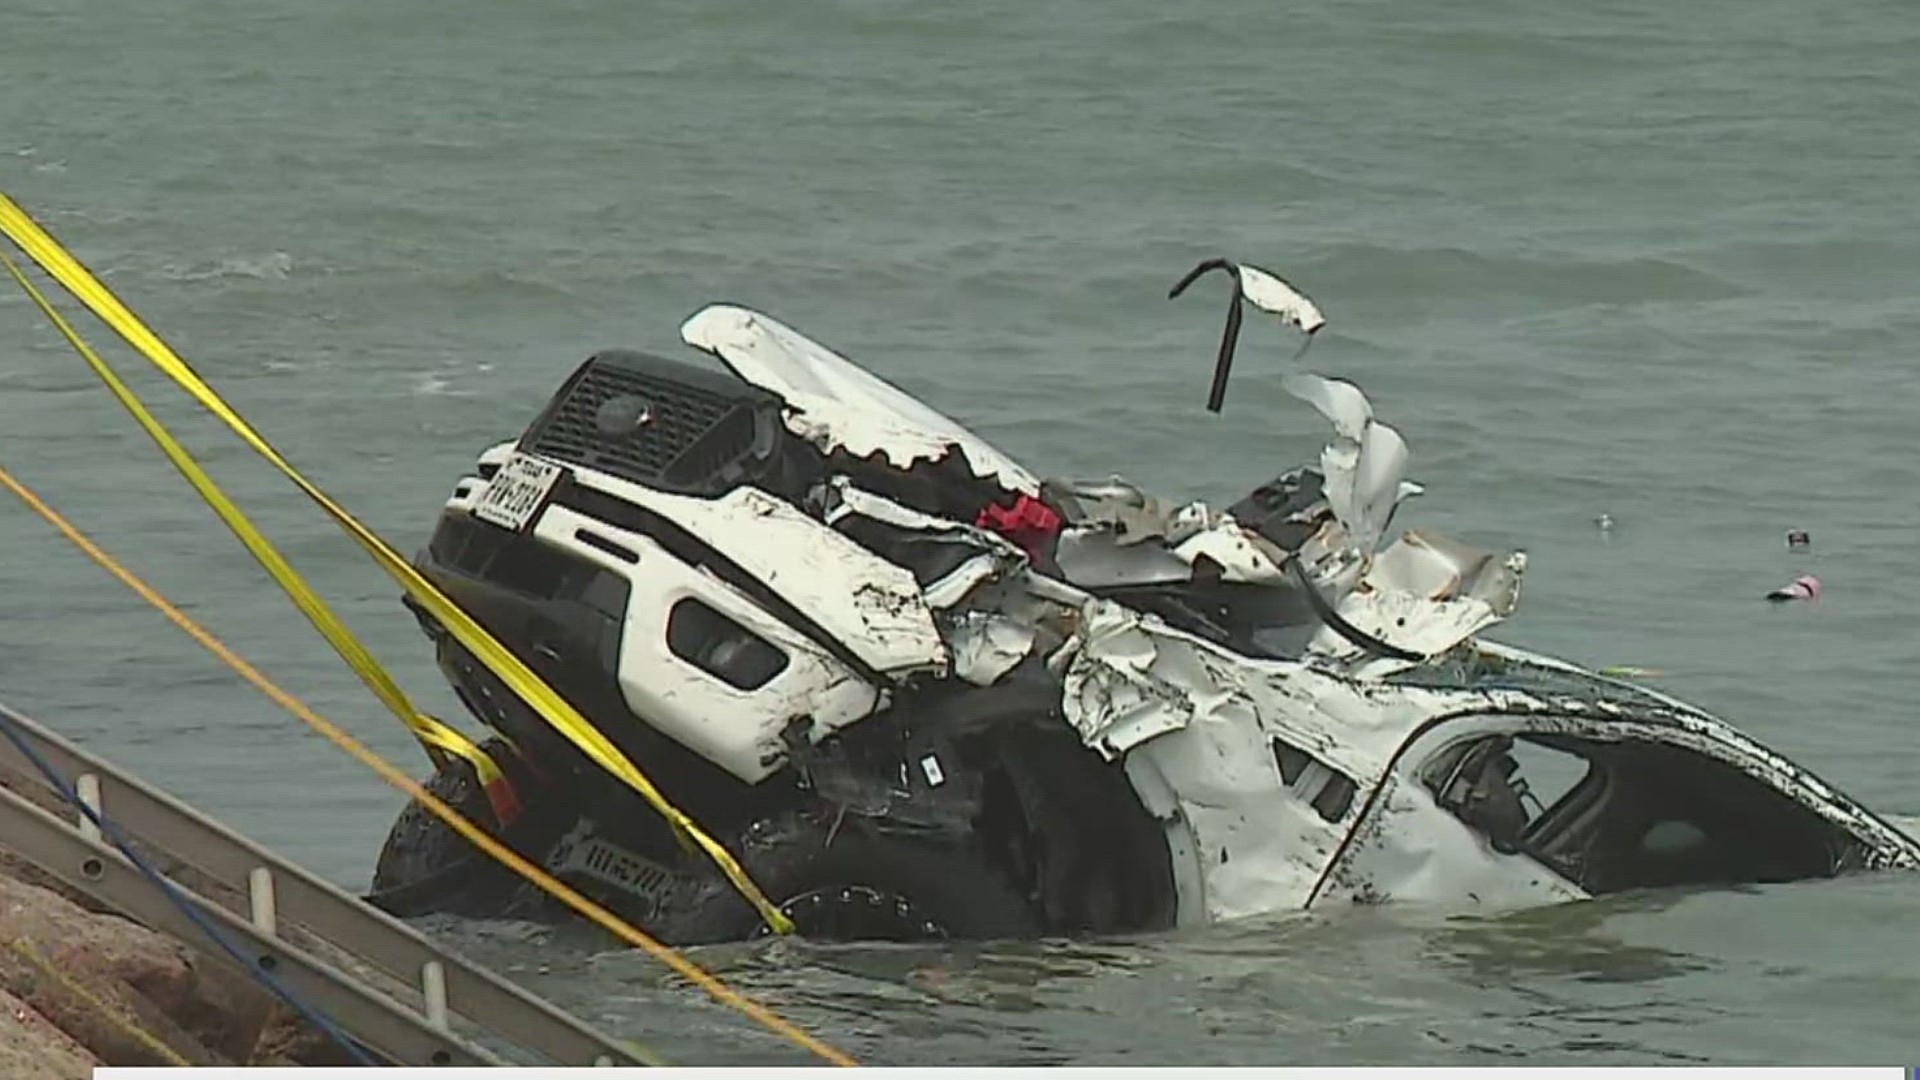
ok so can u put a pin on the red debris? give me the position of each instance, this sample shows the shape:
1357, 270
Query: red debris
1029, 523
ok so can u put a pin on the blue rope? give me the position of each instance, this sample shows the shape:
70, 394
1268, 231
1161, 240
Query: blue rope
112, 833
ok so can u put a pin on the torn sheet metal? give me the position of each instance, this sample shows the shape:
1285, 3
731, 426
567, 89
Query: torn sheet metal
1423, 594
1332, 561
1423, 627
843, 497
1239, 554
986, 645
1364, 465
1121, 535
1440, 568
1125, 511
1259, 846
1330, 522
1272, 294
1341, 402
956, 586
835, 403
1133, 690
1118, 688
995, 556
1206, 721
1288, 787
1128, 677
1097, 558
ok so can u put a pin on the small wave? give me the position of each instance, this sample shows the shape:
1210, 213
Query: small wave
1179, 29
1522, 51
467, 289
1837, 264
31, 152
274, 266
440, 384
249, 75
1904, 822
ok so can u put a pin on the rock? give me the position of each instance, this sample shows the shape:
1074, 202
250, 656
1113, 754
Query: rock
113, 1022
105, 980
32, 1048
120, 993
114, 986
289, 1040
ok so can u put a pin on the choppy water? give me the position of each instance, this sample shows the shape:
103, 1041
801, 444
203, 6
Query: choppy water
1654, 260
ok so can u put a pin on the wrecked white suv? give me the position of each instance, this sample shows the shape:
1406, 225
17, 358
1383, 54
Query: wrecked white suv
919, 692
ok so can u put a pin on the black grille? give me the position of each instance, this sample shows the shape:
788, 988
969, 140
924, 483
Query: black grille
703, 431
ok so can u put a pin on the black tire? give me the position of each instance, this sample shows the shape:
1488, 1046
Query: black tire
867, 884
426, 867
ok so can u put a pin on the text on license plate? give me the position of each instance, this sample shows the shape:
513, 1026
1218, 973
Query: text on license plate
517, 492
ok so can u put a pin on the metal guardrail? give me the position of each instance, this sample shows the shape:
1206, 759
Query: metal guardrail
268, 905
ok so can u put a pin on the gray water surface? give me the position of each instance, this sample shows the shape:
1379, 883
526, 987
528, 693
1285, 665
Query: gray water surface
1648, 259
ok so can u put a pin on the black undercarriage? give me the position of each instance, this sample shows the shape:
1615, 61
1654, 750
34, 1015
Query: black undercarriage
1025, 833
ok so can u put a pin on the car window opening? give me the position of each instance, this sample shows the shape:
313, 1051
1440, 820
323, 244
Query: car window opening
1618, 815
1328, 790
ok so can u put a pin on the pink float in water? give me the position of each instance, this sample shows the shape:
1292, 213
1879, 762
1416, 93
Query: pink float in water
1804, 587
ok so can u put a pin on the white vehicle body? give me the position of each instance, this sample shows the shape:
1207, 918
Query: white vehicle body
1309, 772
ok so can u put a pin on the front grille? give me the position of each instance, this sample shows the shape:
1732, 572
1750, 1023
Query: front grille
695, 435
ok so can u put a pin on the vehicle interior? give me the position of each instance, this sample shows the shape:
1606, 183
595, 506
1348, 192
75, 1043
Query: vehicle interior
1614, 815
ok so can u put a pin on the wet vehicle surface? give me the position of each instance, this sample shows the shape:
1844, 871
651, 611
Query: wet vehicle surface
919, 691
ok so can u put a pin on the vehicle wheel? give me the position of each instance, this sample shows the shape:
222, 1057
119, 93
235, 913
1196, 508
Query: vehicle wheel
869, 885
425, 866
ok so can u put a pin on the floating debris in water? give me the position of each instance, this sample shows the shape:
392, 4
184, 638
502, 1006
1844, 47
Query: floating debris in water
1798, 540
1804, 587
1631, 671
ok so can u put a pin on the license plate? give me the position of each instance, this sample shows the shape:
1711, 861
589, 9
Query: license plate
581, 854
517, 492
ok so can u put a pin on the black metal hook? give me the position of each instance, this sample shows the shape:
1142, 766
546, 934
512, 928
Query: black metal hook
1224, 364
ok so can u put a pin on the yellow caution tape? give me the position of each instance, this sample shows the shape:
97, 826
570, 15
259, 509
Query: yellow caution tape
552, 707
392, 775
438, 738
